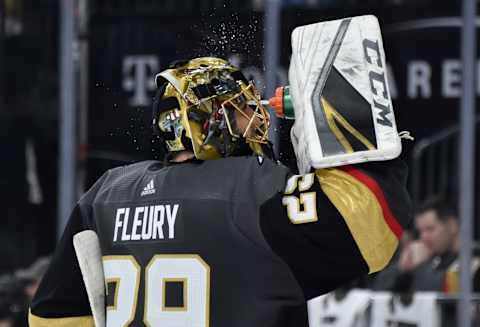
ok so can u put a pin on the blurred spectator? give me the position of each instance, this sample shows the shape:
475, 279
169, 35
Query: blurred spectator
414, 252
16, 292
431, 262
438, 227
13, 302
31, 277
6, 319
410, 253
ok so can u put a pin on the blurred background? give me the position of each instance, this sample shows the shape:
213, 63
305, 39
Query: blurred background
118, 46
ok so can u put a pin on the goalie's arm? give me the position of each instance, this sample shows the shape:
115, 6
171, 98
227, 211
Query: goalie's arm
61, 299
337, 224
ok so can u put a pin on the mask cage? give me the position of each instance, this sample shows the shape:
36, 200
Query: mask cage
258, 117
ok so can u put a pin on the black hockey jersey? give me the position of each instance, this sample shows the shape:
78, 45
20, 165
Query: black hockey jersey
232, 242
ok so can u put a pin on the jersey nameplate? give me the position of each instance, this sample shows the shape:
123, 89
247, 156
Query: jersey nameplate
145, 223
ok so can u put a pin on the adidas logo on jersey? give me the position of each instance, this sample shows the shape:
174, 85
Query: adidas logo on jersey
149, 189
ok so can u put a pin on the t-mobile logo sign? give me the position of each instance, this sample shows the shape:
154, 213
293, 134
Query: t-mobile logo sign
138, 77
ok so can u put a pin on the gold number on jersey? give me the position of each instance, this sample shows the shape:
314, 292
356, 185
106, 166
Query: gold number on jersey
307, 199
188, 269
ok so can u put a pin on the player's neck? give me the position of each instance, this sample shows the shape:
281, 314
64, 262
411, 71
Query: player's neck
182, 156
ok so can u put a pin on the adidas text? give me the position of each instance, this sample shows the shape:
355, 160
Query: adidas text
149, 189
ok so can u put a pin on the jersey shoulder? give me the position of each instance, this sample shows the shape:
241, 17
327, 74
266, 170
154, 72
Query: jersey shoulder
120, 182
257, 177
256, 165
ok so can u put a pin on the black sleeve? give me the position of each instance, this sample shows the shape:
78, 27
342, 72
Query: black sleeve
337, 224
62, 293
61, 298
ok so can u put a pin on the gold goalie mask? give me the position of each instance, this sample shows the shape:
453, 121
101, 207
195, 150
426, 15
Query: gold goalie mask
205, 105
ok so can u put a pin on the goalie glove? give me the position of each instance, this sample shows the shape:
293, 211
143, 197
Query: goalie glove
339, 90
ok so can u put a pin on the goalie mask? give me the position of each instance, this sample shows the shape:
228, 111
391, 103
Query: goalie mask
205, 105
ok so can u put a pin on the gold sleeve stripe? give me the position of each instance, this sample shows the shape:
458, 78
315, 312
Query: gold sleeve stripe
375, 188
363, 215
82, 321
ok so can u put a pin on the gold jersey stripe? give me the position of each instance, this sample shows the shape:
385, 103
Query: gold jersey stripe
363, 215
82, 321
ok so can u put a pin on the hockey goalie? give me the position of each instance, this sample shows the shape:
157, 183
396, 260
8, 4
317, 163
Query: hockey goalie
220, 234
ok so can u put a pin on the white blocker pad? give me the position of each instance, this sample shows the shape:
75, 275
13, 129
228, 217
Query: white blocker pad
87, 249
338, 83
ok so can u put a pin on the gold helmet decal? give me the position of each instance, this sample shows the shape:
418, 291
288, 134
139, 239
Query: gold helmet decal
206, 105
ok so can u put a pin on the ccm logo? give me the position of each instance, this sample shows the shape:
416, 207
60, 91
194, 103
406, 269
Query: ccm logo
378, 82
